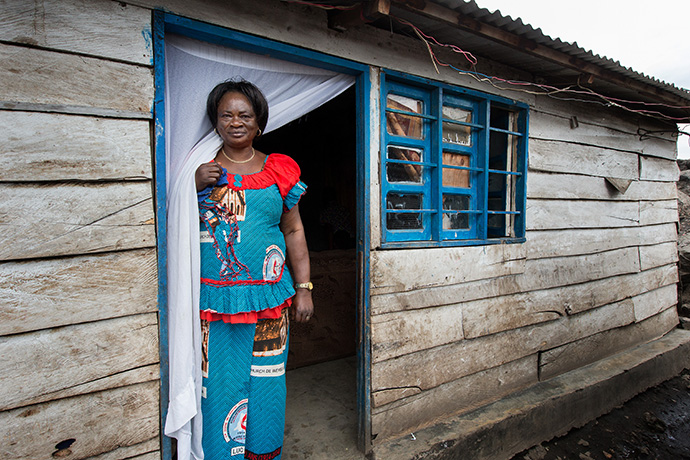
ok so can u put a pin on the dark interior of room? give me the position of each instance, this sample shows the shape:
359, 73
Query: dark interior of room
323, 142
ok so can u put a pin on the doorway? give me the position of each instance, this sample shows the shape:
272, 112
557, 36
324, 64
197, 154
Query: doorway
331, 146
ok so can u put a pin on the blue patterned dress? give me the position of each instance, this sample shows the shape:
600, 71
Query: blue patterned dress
245, 287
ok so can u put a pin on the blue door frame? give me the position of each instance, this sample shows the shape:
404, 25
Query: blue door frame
168, 23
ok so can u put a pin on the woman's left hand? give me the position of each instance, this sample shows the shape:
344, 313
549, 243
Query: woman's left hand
303, 306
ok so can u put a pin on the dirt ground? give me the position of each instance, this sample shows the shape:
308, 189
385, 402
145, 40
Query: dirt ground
653, 425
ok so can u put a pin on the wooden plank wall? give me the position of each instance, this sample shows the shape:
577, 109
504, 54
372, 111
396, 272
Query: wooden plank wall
597, 275
78, 275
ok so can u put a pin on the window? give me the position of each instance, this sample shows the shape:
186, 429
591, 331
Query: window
453, 165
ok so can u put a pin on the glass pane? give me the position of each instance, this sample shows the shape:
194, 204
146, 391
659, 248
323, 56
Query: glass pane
453, 221
456, 177
397, 172
403, 220
404, 125
457, 134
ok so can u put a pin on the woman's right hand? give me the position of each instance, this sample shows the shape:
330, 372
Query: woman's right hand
207, 174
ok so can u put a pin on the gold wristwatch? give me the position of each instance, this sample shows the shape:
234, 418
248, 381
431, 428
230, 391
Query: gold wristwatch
308, 286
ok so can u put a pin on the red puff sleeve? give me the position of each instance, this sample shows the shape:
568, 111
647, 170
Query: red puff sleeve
285, 171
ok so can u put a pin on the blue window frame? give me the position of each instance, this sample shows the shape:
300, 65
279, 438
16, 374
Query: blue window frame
453, 164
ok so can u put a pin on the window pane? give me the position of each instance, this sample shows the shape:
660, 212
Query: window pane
403, 220
404, 125
397, 172
457, 134
456, 177
453, 221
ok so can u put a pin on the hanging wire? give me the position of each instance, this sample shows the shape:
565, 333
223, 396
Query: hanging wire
544, 90
569, 93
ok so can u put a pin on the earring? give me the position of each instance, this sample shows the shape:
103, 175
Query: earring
258, 133
216, 131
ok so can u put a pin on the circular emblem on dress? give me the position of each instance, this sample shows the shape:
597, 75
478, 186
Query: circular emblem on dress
273, 263
235, 425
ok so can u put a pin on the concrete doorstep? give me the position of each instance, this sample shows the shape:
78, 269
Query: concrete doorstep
548, 409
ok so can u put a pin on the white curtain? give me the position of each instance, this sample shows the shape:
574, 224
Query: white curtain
192, 69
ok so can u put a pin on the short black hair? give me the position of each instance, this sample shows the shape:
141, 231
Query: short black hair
249, 90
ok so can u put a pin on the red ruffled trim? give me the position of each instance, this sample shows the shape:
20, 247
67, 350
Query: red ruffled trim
279, 169
247, 317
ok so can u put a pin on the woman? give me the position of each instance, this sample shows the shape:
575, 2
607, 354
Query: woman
249, 222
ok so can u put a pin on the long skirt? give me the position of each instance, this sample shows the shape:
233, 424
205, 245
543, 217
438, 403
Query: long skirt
243, 393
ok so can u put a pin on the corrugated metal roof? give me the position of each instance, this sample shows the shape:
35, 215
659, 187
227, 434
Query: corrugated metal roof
517, 27
513, 43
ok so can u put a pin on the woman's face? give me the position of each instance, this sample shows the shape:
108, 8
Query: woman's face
237, 123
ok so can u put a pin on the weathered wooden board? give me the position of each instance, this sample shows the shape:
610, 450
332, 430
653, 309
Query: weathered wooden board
415, 372
54, 147
489, 316
444, 295
593, 114
549, 127
99, 422
461, 395
658, 255
571, 242
41, 294
659, 169
578, 187
583, 295
99, 27
374, 156
658, 212
397, 334
393, 271
137, 451
600, 292
568, 158
655, 301
67, 219
121, 379
585, 351
564, 271
553, 214
73, 84
52, 360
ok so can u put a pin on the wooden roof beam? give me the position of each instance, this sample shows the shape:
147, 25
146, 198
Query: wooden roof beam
449, 16
365, 12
